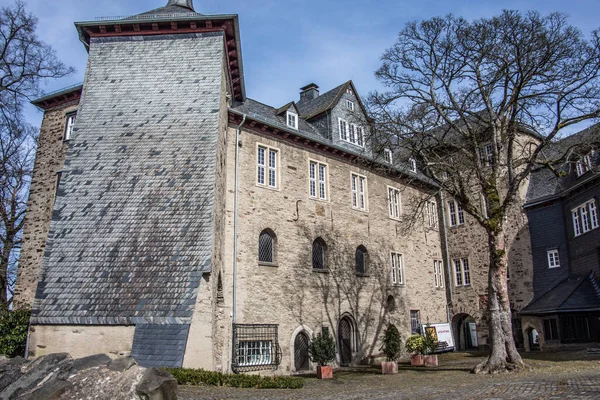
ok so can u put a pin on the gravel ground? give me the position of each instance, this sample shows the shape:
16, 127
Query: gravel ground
565, 375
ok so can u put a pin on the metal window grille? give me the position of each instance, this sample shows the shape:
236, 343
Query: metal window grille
414, 321
255, 347
266, 247
318, 254
361, 261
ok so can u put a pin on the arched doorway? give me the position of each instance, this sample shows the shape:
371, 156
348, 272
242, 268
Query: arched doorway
301, 360
346, 341
533, 339
465, 330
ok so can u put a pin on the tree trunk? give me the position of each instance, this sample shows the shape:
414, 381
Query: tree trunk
503, 352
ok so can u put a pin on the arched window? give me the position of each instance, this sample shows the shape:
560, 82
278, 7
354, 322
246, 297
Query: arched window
361, 260
266, 246
318, 254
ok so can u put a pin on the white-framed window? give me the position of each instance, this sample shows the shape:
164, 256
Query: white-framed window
484, 207
317, 173
292, 119
359, 192
462, 274
397, 269
388, 156
584, 164
432, 214
350, 105
553, 258
413, 164
394, 202
253, 353
438, 273
349, 91
351, 133
455, 213
486, 154
70, 123
267, 161
585, 218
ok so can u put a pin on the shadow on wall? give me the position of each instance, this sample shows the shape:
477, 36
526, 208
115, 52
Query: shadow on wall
350, 283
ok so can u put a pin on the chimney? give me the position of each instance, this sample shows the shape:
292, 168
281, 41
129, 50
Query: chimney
309, 92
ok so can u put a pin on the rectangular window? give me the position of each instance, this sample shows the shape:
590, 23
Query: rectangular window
343, 130
413, 164
585, 218
351, 133
254, 353
350, 105
266, 160
553, 259
574, 329
584, 165
388, 156
486, 154
438, 273
394, 202
318, 180
455, 213
359, 192
415, 322
58, 178
550, 329
397, 269
462, 272
292, 120
432, 214
69, 125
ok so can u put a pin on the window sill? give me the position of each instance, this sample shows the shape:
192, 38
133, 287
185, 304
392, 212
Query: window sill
267, 264
462, 286
362, 275
320, 271
457, 226
397, 285
361, 210
276, 189
318, 199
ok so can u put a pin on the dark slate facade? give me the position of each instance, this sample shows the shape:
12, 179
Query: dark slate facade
132, 231
567, 298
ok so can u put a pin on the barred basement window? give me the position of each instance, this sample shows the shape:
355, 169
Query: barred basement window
266, 247
318, 254
255, 347
361, 260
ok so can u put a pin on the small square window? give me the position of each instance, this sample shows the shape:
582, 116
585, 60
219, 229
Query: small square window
553, 258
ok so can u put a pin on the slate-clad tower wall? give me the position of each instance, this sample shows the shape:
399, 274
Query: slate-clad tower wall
132, 230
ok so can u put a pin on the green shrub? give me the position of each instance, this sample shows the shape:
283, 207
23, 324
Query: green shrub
392, 344
415, 344
322, 349
14, 325
199, 377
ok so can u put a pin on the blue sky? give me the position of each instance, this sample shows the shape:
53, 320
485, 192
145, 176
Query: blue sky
288, 44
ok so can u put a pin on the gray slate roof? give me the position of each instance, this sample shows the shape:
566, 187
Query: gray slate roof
577, 293
132, 230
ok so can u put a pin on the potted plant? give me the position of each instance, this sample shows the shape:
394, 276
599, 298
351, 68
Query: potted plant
429, 345
391, 347
415, 345
321, 350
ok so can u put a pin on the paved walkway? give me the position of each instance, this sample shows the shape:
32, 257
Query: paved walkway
555, 376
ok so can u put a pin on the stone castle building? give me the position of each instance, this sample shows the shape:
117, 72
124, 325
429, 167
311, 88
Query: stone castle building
172, 217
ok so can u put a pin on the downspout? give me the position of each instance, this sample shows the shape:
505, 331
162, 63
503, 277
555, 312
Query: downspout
235, 217
447, 257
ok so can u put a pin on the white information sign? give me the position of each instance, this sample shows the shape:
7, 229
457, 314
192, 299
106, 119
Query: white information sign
443, 333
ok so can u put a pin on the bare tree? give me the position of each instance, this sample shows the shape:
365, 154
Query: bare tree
480, 104
25, 61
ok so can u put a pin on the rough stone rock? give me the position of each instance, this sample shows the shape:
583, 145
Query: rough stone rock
10, 371
102, 383
121, 364
97, 360
49, 391
44, 371
157, 384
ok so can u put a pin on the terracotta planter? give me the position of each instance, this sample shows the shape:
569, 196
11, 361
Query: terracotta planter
325, 372
431, 360
389, 367
417, 360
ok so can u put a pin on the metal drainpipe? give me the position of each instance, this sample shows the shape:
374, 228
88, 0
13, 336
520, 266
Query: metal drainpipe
447, 256
235, 217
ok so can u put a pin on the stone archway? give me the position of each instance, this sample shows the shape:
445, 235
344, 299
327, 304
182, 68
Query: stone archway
347, 340
532, 339
300, 340
465, 333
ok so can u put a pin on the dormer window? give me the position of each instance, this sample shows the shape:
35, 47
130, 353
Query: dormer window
350, 105
292, 120
584, 164
388, 156
413, 164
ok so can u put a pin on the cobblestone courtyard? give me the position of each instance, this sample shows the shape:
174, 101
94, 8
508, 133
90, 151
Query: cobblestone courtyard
573, 375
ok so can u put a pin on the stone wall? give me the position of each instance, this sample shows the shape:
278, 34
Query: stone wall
50, 158
292, 295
